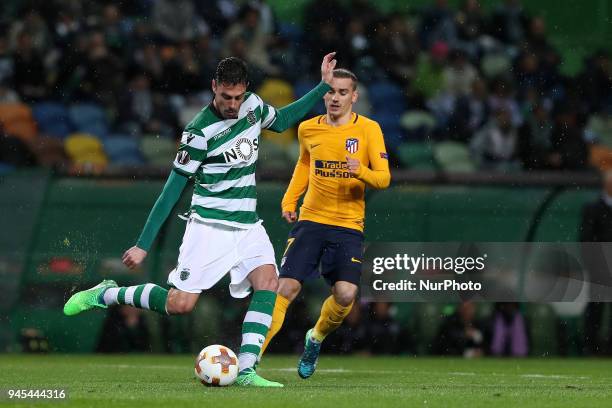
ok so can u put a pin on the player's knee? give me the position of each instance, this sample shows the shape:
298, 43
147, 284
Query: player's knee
289, 288
269, 283
344, 299
177, 306
345, 296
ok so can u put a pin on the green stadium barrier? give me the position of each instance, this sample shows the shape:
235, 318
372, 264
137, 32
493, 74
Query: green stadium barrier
75, 231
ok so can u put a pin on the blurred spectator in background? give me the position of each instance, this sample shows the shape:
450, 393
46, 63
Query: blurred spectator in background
7, 95
322, 30
125, 330
535, 140
29, 76
32, 23
176, 20
509, 21
100, 76
569, 150
115, 29
502, 97
74, 52
396, 48
599, 130
181, 71
460, 334
437, 24
429, 78
383, 330
471, 25
495, 146
595, 82
6, 59
509, 335
468, 114
596, 226
459, 74
253, 40
141, 111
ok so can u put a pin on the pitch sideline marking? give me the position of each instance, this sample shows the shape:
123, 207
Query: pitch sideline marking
345, 371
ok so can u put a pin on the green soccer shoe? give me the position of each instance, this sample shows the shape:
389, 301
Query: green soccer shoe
88, 299
249, 378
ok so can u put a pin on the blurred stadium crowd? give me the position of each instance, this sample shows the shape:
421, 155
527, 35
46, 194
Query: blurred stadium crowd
89, 84
85, 84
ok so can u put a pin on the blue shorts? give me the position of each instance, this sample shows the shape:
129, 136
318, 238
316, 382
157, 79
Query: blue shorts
315, 249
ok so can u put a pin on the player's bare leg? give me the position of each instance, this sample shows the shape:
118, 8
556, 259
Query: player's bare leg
180, 302
334, 310
264, 281
288, 289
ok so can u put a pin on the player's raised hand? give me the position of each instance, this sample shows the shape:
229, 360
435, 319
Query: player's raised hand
327, 67
133, 257
353, 165
290, 216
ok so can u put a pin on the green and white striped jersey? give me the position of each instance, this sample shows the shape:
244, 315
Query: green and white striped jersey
222, 155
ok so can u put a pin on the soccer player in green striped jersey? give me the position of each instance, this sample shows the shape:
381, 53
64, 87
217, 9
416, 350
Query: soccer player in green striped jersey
219, 151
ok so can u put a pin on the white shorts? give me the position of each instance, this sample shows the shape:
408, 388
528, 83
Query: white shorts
209, 251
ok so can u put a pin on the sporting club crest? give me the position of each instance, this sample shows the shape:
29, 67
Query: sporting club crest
352, 145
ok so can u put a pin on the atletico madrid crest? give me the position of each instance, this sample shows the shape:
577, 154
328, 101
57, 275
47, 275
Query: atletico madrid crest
352, 145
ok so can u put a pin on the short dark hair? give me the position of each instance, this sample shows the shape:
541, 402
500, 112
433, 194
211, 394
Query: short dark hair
345, 73
232, 70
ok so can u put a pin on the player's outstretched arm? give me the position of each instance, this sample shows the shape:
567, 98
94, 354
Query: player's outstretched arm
291, 114
159, 213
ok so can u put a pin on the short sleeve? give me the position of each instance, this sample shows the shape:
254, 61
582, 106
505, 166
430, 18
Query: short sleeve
191, 152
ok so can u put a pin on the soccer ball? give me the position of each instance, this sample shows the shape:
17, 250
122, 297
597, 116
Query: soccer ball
216, 365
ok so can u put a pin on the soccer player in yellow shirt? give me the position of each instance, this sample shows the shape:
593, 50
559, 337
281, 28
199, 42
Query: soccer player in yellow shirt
340, 153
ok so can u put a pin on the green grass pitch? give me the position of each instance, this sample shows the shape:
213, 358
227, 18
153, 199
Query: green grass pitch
168, 381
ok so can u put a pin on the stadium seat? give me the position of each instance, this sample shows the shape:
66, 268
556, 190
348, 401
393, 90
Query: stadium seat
89, 118
52, 119
6, 168
85, 149
290, 31
387, 96
493, 65
417, 125
390, 125
123, 150
417, 156
301, 88
453, 157
157, 150
278, 92
16, 120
